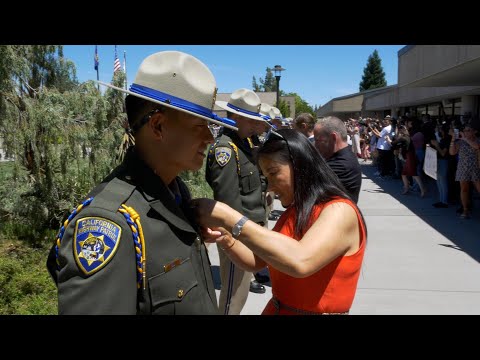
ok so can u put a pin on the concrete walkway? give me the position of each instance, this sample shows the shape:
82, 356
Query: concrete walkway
419, 259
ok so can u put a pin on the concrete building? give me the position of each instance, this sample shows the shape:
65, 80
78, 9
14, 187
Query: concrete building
351, 106
439, 80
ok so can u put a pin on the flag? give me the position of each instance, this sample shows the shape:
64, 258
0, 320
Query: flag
95, 59
116, 63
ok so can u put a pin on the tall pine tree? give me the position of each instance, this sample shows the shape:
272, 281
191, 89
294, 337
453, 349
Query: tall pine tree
373, 74
270, 83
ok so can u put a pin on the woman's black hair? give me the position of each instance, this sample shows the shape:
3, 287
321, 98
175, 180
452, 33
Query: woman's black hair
314, 181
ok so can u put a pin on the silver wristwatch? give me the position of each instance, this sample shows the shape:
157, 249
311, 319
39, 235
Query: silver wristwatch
237, 228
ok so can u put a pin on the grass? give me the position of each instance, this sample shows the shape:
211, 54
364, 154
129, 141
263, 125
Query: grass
25, 285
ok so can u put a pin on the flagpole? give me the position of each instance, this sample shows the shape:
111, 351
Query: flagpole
125, 67
97, 64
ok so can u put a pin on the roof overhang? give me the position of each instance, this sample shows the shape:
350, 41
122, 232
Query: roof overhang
465, 74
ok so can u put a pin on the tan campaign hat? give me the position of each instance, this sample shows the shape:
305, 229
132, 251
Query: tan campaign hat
179, 81
243, 102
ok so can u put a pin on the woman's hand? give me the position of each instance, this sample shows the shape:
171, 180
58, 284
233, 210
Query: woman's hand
210, 213
219, 235
209, 235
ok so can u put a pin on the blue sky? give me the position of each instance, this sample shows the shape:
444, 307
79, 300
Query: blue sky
317, 73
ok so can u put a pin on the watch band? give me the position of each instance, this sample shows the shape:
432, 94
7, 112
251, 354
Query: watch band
237, 228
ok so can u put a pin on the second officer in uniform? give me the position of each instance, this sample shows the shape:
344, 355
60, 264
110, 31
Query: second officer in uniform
235, 180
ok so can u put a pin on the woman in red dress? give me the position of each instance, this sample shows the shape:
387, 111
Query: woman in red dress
315, 252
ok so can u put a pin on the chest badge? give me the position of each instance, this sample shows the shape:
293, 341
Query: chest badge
223, 155
96, 241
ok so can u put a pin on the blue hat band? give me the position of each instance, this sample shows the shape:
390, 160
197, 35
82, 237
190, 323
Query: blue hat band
243, 111
178, 102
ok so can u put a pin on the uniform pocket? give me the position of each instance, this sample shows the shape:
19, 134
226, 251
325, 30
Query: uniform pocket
173, 284
249, 179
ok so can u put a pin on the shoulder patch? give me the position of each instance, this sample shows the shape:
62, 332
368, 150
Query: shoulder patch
95, 242
223, 154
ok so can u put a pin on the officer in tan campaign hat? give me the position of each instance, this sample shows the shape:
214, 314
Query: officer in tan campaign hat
233, 175
277, 120
132, 246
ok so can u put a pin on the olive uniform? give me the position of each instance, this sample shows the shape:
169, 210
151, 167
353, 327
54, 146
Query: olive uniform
232, 174
106, 280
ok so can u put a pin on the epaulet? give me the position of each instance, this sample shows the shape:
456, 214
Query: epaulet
96, 245
115, 193
235, 149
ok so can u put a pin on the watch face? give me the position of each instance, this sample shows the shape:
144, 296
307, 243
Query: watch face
237, 228
236, 231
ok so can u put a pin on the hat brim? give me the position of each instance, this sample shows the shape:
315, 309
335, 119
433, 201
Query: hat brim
168, 105
224, 106
270, 124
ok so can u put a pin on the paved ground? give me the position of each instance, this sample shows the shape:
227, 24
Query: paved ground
419, 260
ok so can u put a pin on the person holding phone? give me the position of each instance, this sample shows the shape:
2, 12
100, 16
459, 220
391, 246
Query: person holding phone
468, 169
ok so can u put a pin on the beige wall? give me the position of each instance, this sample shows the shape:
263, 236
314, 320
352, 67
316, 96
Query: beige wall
382, 101
352, 104
290, 100
410, 96
426, 60
326, 109
414, 96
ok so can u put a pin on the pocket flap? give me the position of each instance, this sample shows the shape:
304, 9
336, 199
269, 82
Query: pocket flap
173, 284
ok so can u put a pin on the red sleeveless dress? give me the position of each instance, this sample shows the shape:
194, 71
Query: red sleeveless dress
329, 290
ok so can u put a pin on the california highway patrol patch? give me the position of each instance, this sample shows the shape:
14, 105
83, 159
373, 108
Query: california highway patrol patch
223, 155
96, 241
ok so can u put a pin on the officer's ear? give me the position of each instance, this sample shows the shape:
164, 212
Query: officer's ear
156, 124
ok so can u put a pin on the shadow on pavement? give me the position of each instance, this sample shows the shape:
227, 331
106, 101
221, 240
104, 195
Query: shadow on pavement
464, 233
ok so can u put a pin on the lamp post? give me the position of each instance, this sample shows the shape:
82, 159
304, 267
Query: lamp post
278, 73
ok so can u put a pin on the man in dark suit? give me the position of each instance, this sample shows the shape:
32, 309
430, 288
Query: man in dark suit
331, 141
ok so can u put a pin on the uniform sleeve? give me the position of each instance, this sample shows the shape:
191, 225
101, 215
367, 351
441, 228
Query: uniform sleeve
111, 287
224, 181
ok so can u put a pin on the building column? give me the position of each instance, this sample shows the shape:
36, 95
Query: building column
393, 112
468, 105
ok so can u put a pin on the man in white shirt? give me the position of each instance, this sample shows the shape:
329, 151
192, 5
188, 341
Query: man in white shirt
385, 153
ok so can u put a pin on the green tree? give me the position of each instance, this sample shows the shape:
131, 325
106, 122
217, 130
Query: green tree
269, 83
373, 74
284, 109
60, 134
301, 105
255, 85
